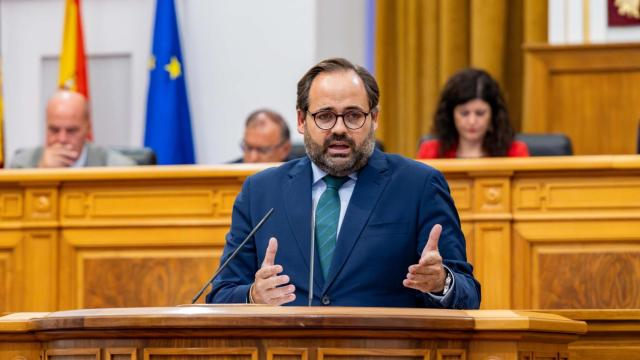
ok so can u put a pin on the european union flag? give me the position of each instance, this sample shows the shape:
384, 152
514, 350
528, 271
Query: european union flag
168, 127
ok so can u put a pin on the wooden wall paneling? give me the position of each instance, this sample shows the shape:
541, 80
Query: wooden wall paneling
11, 270
41, 204
521, 270
590, 196
11, 206
493, 263
598, 276
462, 192
72, 354
605, 348
584, 91
282, 353
467, 230
534, 103
595, 110
492, 238
93, 251
580, 264
137, 267
22, 350
136, 202
121, 353
384, 353
524, 350
487, 349
612, 334
200, 353
451, 354
40, 281
492, 197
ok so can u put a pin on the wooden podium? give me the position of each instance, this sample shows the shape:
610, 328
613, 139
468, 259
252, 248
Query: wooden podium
264, 332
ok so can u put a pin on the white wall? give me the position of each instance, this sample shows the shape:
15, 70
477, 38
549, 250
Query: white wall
116, 40
567, 18
239, 55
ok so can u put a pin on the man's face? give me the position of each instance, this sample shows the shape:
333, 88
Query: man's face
263, 142
338, 151
67, 124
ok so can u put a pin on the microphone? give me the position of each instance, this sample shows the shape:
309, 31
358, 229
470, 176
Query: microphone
253, 231
312, 255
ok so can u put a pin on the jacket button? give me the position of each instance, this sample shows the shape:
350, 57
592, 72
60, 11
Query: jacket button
326, 300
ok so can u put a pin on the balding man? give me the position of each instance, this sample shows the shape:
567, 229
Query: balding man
68, 125
266, 138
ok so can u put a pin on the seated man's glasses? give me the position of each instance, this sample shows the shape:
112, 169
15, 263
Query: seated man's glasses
263, 150
327, 119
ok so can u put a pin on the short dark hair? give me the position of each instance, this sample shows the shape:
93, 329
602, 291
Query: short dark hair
332, 65
463, 86
275, 117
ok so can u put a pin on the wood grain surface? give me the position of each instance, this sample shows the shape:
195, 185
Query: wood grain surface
541, 232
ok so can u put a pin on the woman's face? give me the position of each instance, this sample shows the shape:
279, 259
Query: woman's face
472, 120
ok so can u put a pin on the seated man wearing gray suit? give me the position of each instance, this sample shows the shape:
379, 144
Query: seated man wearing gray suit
68, 125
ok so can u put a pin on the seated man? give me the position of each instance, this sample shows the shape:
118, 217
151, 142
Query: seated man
266, 138
68, 125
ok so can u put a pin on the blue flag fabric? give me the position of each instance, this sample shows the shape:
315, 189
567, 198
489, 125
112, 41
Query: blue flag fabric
168, 124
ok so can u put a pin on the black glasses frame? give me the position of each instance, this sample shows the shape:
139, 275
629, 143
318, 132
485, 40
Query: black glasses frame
339, 115
261, 149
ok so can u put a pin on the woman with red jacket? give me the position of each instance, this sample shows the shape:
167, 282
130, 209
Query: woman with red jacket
471, 121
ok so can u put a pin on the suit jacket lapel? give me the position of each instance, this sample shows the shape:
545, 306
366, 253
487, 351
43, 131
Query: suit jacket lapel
94, 158
372, 180
297, 199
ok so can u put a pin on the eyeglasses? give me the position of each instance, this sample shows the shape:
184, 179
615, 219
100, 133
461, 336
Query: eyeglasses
327, 119
262, 150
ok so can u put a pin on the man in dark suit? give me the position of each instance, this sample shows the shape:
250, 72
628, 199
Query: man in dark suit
385, 228
266, 138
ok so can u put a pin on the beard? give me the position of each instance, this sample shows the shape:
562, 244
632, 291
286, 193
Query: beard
340, 165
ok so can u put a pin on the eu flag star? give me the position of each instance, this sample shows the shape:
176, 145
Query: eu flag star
173, 68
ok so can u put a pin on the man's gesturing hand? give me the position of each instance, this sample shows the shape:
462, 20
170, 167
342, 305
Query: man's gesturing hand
267, 288
428, 275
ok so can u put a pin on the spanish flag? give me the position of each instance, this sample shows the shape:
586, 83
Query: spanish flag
73, 62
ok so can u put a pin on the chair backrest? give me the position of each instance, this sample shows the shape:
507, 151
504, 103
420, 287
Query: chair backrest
547, 144
297, 151
540, 144
141, 155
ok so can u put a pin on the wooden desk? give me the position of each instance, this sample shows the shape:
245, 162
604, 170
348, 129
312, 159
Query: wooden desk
611, 334
264, 332
543, 233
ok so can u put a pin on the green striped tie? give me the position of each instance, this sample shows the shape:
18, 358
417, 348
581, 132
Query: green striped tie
327, 216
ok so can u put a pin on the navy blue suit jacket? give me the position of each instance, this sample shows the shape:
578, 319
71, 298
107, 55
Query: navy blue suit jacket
395, 203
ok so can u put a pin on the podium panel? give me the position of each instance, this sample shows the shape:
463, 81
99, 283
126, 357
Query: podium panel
264, 332
542, 233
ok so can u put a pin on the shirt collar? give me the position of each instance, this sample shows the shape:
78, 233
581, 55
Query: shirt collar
82, 159
318, 174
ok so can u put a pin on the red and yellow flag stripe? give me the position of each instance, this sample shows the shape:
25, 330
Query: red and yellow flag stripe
73, 62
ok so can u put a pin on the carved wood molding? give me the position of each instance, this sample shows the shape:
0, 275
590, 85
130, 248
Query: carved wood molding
185, 353
355, 353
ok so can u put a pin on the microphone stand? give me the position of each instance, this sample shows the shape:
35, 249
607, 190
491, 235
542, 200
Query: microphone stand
312, 255
266, 216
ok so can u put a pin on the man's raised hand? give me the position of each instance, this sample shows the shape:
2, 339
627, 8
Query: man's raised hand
267, 288
428, 275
